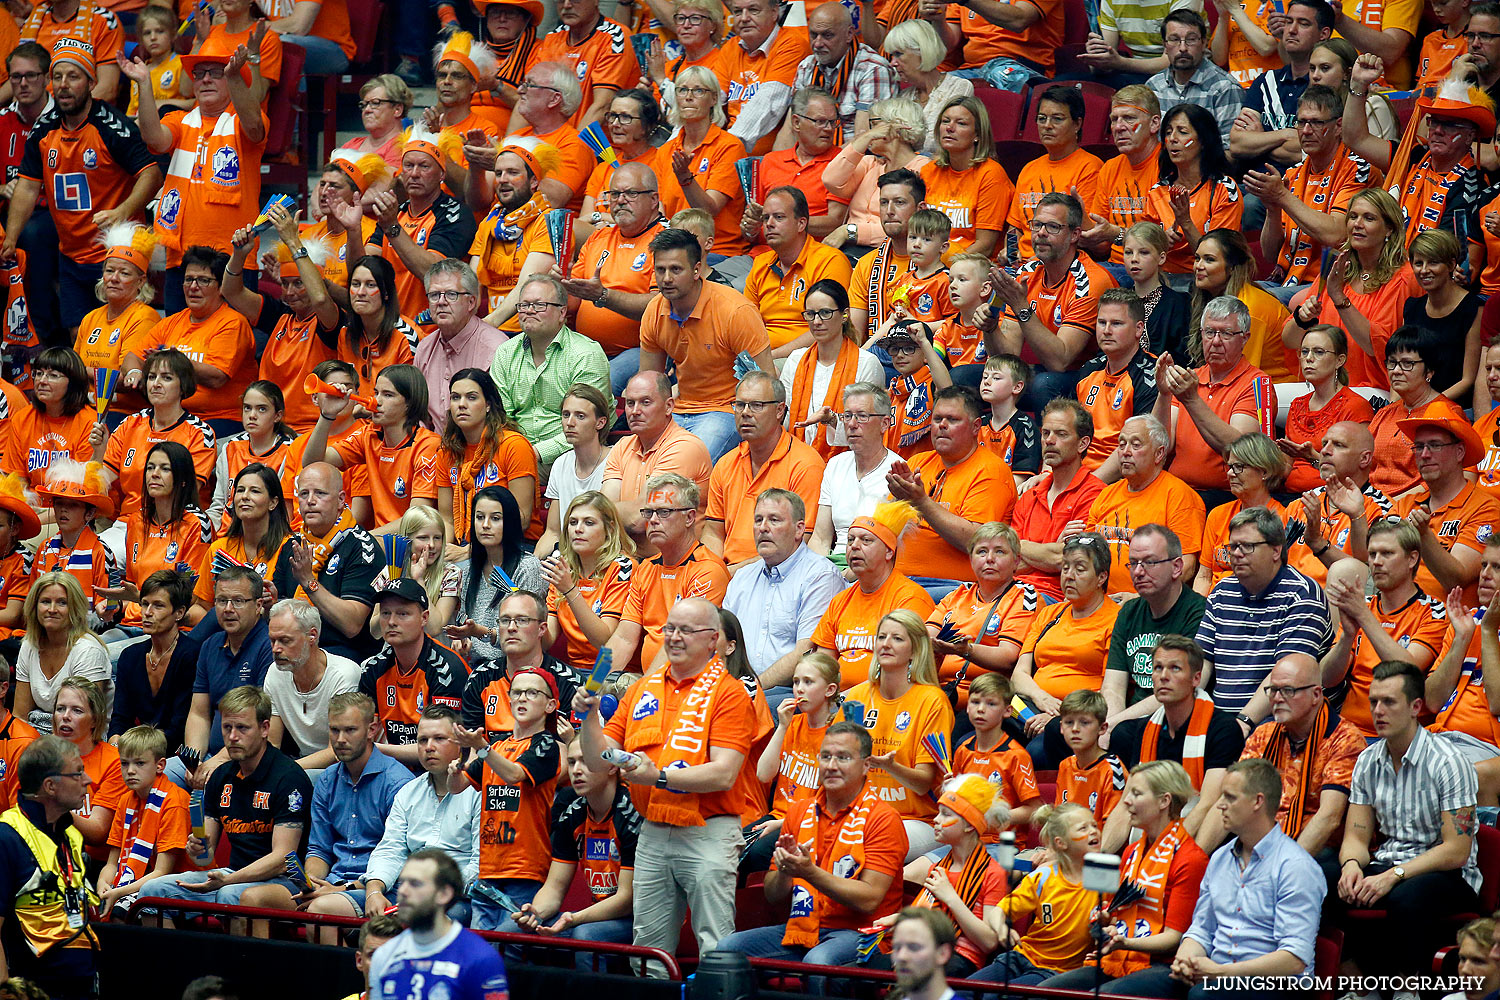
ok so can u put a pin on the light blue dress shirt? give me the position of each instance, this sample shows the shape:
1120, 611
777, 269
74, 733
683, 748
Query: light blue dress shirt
420, 818
781, 605
1273, 904
348, 818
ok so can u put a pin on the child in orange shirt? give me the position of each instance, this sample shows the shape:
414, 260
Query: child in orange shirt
148, 837
1011, 434
991, 753
920, 372
1091, 777
959, 337
923, 290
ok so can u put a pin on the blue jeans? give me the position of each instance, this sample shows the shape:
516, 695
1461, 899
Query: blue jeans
1046, 386
936, 588
324, 58
1016, 969
617, 931
1117, 271
167, 887
715, 429
1002, 74
1282, 293
488, 916
621, 367
75, 288
833, 948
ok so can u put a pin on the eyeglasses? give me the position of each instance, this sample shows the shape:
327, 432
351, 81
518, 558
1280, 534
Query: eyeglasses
1419, 447
1317, 123
1315, 353
1405, 364
234, 603
79, 775
375, 102
654, 513
535, 307
1285, 691
835, 758
1053, 119
629, 194
1483, 37
1142, 563
906, 348
694, 91
447, 296
204, 73
1244, 548
1208, 334
531, 694
751, 405
1181, 40
1448, 125
526, 85
516, 621
1236, 468
27, 77
620, 118
692, 20
860, 418
1050, 228
823, 123
670, 629
200, 280
820, 314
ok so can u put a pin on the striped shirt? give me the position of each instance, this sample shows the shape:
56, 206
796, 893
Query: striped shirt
1435, 777
1139, 22
1209, 87
1245, 634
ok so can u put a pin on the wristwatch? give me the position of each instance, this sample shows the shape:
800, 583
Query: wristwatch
1242, 717
300, 253
850, 230
1400, 873
661, 780
1024, 316
393, 230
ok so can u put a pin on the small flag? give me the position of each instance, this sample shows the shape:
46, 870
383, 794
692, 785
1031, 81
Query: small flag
869, 940
1023, 711
262, 222
595, 138
187, 25
395, 554
854, 712
105, 380
603, 663
222, 561
749, 170
296, 872
937, 745
500, 581
560, 232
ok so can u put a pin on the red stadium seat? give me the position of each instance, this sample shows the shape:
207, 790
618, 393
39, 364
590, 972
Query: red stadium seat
1016, 154
1096, 101
1327, 951
1445, 961
1006, 110
1075, 22
1488, 861
285, 105
364, 27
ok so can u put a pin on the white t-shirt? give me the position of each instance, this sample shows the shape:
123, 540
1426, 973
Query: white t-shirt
88, 658
305, 713
867, 369
849, 497
563, 483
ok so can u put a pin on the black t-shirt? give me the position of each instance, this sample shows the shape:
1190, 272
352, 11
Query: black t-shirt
1224, 742
1026, 455
452, 231
1450, 332
278, 793
350, 573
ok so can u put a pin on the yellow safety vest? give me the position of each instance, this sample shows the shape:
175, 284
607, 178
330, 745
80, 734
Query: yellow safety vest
41, 907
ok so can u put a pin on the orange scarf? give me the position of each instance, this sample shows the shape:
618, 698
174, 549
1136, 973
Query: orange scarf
322, 548
1279, 752
679, 736
848, 843
1194, 743
1147, 868
844, 369
970, 880
142, 830
470, 482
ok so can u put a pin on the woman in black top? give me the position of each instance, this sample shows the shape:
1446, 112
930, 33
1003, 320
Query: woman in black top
154, 679
1448, 310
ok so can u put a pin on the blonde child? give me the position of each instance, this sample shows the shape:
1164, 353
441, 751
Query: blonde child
148, 837
156, 32
922, 292
959, 337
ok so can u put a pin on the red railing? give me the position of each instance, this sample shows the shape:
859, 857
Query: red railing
527, 941
778, 968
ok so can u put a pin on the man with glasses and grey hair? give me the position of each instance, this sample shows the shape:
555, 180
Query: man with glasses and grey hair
815, 129
854, 480
1223, 400
462, 340
689, 723
535, 370
1264, 611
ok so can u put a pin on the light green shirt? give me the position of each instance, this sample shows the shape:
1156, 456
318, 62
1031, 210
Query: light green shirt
533, 395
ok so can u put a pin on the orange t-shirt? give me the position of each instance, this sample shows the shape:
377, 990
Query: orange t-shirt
1467, 709
172, 831
883, 840
1097, 787
1215, 550
234, 548
1243, 389
1245, 63
676, 450
926, 299
1487, 426
1213, 204
1328, 192
1122, 192
133, 440
1469, 519
1118, 511
848, 627
704, 345
713, 163
1395, 469
899, 724
397, 475
778, 294
911, 404
1068, 653
101, 341
106, 789
742, 72
515, 832
606, 595
1079, 171
37, 440
1073, 301
624, 264
605, 59
217, 186
222, 340
182, 546
1113, 398
1421, 621
1437, 55
655, 587
733, 487
987, 622
293, 350
1385, 309
798, 776
959, 343
973, 199
1037, 45
96, 26
980, 489
1006, 762
15, 735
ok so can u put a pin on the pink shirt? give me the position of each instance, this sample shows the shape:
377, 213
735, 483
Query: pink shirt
440, 358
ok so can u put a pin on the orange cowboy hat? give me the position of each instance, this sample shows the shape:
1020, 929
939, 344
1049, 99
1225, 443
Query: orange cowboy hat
1473, 447
532, 7
68, 479
1458, 101
194, 59
14, 499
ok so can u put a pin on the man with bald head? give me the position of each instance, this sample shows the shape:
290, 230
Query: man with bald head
1314, 749
331, 564
656, 444
690, 722
1338, 513
615, 276
856, 75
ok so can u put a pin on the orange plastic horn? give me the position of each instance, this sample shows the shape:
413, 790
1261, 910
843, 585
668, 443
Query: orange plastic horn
313, 384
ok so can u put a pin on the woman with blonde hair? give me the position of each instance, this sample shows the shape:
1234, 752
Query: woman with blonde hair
1144, 254
901, 704
58, 645
80, 714
1322, 356
1366, 288
966, 183
588, 579
916, 53
699, 26
894, 140
425, 562
696, 168
1223, 265
1257, 468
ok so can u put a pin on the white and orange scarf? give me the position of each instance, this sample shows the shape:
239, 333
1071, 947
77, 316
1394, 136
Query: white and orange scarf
843, 854
681, 736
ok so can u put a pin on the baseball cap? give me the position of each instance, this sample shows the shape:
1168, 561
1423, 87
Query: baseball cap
405, 589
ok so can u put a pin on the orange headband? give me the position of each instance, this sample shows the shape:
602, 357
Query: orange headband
129, 254
877, 529
966, 809
527, 157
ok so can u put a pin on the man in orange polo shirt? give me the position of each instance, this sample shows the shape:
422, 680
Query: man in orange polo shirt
707, 330
1058, 504
956, 487
1146, 494
780, 277
1453, 515
597, 51
614, 277
683, 567
815, 129
756, 69
847, 631
656, 444
1223, 400
768, 455
1066, 167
